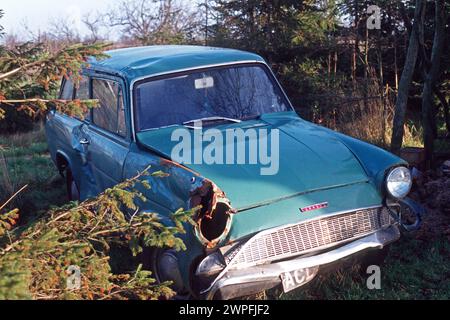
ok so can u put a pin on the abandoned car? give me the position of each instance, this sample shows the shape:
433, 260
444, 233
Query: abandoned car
323, 197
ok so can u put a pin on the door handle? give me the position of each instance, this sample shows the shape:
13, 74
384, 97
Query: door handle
84, 142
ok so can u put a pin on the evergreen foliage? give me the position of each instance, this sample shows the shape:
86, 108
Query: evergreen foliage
35, 259
30, 75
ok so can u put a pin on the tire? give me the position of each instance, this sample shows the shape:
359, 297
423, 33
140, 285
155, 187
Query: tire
152, 258
73, 193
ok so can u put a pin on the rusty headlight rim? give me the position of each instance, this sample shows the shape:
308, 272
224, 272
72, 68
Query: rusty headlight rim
214, 243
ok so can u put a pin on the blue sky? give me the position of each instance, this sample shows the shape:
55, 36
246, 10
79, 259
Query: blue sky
37, 13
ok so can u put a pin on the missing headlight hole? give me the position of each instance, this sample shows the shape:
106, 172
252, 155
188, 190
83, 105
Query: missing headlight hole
213, 228
215, 214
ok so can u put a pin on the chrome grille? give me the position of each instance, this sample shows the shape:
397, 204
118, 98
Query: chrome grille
293, 240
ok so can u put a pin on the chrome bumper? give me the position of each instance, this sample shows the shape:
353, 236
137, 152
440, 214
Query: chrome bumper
238, 283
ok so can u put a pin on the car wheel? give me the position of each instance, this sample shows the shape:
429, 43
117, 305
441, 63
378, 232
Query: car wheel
163, 264
73, 192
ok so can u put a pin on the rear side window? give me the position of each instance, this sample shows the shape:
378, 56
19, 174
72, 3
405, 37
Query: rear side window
110, 113
82, 92
67, 90
122, 128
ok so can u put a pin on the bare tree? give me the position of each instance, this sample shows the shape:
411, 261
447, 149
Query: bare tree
154, 21
11, 40
431, 76
64, 30
93, 23
406, 78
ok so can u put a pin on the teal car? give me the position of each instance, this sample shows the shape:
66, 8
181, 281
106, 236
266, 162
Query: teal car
267, 219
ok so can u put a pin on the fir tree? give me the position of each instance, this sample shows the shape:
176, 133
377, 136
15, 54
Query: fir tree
30, 75
35, 259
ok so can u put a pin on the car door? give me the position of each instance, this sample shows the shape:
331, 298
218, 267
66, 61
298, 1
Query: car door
104, 139
76, 153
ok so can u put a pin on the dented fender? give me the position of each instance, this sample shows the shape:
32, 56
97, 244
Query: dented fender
187, 189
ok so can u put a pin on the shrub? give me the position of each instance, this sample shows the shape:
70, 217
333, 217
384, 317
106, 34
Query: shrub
35, 259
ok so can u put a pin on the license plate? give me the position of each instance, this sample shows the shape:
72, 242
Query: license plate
294, 279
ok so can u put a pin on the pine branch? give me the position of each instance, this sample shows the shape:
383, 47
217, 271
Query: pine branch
81, 235
12, 197
4, 76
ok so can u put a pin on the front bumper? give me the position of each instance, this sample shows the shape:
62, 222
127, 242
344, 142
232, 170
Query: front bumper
242, 282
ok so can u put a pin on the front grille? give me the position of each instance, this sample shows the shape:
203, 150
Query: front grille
293, 240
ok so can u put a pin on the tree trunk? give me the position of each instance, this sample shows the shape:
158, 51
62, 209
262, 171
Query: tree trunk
329, 68
382, 89
406, 78
355, 45
354, 60
445, 106
395, 64
366, 70
428, 113
335, 62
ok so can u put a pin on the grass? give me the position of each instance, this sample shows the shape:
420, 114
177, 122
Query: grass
416, 267
24, 160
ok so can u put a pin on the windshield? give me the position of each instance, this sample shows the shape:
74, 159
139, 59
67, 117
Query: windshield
238, 92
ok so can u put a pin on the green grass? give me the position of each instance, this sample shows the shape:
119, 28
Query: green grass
414, 269
24, 160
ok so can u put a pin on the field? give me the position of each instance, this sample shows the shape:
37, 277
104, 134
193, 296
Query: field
25, 161
417, 267
414, 269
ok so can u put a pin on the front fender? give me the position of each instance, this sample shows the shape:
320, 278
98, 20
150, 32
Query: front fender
375, 161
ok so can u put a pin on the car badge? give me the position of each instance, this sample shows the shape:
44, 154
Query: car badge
314, 207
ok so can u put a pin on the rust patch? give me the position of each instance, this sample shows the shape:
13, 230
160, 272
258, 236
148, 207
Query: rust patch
170, 164
210, 218
212, 244
214, 207
208, 196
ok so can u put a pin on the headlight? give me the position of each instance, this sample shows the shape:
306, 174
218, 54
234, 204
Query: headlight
211, 265
399, 182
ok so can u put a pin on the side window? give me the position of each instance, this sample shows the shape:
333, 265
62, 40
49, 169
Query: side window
82, 93
67, 90
122, 127
110, 114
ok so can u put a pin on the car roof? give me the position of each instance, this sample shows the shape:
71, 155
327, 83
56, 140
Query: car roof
139, 62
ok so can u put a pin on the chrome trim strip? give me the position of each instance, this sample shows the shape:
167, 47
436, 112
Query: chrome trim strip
293, 195
272, 272
133, 129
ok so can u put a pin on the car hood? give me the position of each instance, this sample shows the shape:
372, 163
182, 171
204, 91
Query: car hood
310, 159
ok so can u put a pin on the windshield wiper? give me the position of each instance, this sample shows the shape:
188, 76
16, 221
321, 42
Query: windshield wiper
212, 119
